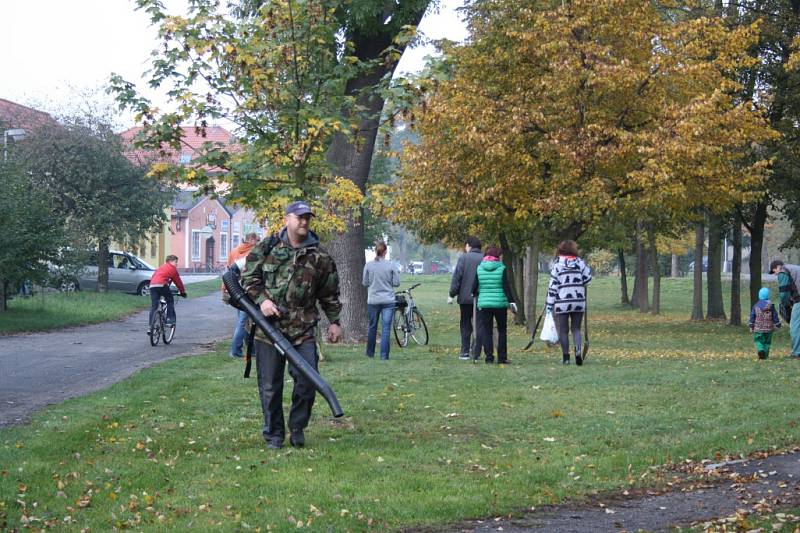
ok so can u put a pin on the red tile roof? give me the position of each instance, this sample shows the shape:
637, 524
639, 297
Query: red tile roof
191, 142
13, 115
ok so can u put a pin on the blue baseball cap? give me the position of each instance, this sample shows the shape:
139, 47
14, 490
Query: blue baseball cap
763, 294
299, 208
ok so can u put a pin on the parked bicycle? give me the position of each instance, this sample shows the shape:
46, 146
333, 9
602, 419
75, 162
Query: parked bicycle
408, 321
159, 329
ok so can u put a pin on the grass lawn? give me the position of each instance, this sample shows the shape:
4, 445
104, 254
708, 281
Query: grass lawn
427, 439
52, 310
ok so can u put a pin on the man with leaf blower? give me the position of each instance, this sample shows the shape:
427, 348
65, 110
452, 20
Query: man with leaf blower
286, 275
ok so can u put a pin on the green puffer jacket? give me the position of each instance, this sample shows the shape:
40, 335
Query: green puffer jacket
490, 279
295, 278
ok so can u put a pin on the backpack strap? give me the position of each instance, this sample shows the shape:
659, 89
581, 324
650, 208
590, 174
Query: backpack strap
249, 357
271, 243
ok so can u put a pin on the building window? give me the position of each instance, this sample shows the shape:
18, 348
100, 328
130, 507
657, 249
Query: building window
224, 226
237, 227
195, 246
235, 240
223, 247
186, 159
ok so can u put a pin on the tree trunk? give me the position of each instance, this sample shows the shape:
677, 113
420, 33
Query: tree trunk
716, 307
531, 282
4, 296
674, 272
102, 265
519, 283
623, 278
736, 273
697, 292
756, 245
510, 261
640, 290
351, 158
348, 252
651, 239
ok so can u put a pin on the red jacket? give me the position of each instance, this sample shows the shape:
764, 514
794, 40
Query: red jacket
165, 274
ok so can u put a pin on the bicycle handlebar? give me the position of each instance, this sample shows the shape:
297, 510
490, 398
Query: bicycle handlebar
409, 289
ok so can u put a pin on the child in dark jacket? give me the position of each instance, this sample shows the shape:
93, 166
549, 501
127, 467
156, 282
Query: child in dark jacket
764, 320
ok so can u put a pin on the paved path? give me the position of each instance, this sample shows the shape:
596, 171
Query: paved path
38, 369
760, 485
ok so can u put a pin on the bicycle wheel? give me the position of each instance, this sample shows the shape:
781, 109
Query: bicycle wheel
168, 333
419, 331
155, 328
400, 328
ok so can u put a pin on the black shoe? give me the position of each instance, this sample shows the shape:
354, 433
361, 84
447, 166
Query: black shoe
762, 355
274, 444
297, 439
490, 361
565, 361
578, 357
464, 357
504, 362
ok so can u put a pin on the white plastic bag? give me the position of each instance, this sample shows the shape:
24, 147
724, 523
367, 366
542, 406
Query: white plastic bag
549, 333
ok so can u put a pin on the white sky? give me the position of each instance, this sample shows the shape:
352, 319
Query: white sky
53, 48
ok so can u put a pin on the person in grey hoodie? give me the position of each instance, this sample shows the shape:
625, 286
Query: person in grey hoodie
461, 287
380, 278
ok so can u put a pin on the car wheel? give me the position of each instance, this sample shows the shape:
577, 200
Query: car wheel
144, 288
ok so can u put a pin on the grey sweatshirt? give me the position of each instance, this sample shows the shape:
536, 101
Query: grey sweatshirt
380, 277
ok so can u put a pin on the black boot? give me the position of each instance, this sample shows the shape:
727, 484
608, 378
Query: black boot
762, 355
565, 358
578, 356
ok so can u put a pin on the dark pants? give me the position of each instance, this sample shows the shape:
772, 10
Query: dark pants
384, 312
155, 295
485, 334
270, 367
563, 323
466, 326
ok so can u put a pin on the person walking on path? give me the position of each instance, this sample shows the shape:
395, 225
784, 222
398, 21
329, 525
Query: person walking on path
380, 277
159, 286
287, 281
566, 297
764, 320
240, 332
461, 290
788, 278
493, 291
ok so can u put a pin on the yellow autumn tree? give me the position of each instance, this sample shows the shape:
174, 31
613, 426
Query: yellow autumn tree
563, 116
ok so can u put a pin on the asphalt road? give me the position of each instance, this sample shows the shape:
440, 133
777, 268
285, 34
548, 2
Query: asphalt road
38, 369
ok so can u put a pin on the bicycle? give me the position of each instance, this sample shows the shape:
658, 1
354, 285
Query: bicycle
159, 329
408, 321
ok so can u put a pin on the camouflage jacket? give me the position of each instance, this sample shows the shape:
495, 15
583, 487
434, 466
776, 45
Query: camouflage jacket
294, 278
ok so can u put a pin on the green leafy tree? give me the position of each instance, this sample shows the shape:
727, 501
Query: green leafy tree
97, 190
34, 229
304, 81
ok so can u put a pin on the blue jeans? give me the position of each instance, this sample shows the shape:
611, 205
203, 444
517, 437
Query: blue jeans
384, 312
239, 334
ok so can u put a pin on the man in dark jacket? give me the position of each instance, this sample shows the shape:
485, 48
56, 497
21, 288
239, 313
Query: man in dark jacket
461, 287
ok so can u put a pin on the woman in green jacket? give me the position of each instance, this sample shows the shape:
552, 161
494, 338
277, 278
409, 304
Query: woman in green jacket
494, 295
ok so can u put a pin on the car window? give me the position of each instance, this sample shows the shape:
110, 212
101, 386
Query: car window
117, 261
138, 263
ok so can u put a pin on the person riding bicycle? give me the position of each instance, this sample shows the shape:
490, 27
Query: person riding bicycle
159, 286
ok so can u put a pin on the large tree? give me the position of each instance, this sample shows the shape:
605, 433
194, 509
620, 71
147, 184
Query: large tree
572, 115
304, 82
96, 189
